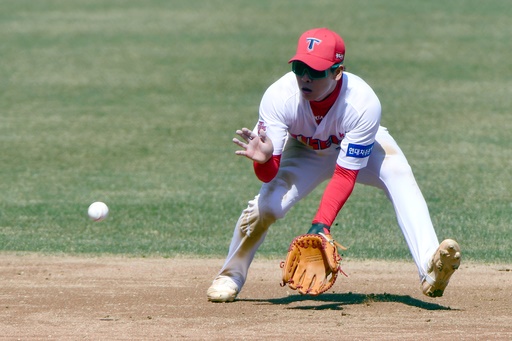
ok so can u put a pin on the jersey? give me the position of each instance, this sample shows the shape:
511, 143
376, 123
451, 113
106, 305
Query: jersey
349, 126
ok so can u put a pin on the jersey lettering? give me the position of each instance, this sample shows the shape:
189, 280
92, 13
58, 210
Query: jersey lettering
261, 125
318, 144
359, 151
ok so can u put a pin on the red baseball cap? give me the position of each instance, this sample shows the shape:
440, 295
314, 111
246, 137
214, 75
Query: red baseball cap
320, 48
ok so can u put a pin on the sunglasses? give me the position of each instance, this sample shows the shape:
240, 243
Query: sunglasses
299, 68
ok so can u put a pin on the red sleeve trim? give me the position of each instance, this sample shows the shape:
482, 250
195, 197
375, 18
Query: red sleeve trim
335, 195
267, 171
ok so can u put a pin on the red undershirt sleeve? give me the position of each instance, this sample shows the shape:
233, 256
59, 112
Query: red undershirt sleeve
335, 195
267, 171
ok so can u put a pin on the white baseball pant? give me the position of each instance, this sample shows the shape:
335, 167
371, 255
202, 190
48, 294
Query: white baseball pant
302, 169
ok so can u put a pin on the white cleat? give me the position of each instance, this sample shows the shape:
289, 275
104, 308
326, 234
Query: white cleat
441, 267
223, 289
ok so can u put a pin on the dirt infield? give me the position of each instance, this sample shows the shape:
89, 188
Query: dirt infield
73, 298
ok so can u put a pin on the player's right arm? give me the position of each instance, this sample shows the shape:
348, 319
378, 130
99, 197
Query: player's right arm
264, 144
259, 148
256, 147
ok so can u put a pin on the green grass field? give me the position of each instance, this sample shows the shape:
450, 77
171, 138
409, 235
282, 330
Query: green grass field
135, 103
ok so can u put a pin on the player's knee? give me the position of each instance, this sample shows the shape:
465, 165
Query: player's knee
270, 200
270, 211
263, 209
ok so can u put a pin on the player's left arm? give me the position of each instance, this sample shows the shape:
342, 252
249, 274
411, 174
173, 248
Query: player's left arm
354, 153
336, 193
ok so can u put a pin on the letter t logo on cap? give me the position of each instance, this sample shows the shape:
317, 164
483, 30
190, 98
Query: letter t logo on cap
312, 42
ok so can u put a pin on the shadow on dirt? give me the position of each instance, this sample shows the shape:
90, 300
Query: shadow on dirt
337, 301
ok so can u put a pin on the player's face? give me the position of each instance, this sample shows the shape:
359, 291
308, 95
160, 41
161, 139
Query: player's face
317, 89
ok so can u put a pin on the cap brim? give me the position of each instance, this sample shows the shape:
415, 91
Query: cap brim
313, 62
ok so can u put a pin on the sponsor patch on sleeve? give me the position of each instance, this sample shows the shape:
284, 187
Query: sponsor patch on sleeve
359, 151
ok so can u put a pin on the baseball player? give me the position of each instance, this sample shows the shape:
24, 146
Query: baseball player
320, 123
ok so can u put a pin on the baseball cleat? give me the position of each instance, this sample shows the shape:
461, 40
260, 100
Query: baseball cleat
223, 289
441, 267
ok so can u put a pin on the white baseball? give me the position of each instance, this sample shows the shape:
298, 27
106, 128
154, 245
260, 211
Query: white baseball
97, 211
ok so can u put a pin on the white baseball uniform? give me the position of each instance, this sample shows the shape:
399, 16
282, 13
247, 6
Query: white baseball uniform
350, 135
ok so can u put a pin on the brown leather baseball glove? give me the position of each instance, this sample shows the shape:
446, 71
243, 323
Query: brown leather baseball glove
312, 263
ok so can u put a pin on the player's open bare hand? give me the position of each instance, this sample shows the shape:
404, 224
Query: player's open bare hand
257, 147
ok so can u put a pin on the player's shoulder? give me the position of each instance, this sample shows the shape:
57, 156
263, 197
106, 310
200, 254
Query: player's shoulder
284, 88
356, 87
354, 80
286, 82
